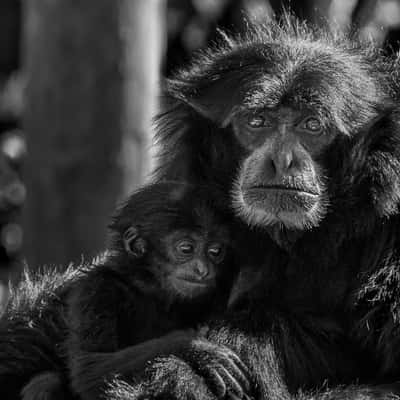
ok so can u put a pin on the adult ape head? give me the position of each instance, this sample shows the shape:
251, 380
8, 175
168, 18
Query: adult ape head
292, 124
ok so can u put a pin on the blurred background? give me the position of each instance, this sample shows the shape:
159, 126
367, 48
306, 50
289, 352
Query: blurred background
79, 83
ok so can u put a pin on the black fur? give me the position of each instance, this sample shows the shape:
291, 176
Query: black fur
331, 315
69, 332
33, 329
124, 302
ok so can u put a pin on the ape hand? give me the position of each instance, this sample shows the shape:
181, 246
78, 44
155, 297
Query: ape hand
222, 370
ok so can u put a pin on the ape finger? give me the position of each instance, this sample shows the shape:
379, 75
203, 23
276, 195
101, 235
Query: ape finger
233, 387
214, 376
237, 369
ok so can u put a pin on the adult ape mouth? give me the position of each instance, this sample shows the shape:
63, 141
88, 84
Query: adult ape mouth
283, 189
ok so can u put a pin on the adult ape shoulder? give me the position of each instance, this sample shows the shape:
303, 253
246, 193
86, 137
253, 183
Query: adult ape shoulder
169, 266
301, 130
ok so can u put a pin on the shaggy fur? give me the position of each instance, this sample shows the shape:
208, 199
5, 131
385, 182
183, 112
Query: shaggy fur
326, 311
321, 319
121, 312
65, 334
33, 328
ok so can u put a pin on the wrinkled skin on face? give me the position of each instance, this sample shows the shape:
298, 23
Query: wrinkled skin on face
279, 182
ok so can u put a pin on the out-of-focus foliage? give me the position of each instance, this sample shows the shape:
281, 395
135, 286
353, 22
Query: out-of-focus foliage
12, 142
191, 24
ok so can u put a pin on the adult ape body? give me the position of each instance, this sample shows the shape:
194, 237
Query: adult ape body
168, 267
301, 130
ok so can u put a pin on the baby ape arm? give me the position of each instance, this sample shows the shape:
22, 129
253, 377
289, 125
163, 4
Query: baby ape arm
93, 368
93, 345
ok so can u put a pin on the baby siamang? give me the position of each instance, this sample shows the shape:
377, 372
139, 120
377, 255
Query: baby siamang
301, 131
169, 266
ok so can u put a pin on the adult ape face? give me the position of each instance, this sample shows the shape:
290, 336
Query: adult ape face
280, 182
284, 121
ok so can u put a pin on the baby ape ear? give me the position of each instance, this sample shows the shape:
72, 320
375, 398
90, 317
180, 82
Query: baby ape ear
134, 244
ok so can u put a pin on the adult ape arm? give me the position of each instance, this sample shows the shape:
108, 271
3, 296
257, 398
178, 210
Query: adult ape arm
287, 359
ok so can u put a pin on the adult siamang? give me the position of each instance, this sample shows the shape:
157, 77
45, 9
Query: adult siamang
301, 131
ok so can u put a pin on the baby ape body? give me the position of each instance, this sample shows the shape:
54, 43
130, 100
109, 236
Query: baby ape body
169, 256
168, 267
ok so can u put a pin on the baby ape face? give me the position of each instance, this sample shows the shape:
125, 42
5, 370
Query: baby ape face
187, 263
172, 233
192, 262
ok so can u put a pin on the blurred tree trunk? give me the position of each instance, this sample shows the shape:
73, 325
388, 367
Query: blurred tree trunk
144, 36
77, 120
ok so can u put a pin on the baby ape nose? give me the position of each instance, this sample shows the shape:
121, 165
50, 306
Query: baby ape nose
201, 269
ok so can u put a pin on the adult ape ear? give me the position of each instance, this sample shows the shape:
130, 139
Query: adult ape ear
382, 168
134, 244
214, 100
213, 88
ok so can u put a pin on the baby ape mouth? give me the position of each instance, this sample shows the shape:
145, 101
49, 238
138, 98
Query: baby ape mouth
193, 281
188, 286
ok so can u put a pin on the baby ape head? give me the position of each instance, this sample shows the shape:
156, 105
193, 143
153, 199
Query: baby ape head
171, 236
284, 109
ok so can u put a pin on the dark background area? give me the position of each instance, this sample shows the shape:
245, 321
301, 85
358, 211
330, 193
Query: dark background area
78, 88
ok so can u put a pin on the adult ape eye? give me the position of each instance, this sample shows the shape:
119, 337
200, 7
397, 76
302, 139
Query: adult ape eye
216, 252
256, 121
312, 125
185, 247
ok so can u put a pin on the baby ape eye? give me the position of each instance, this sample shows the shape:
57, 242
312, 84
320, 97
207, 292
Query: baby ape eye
256, 121
216, 252
312, 125
185, 247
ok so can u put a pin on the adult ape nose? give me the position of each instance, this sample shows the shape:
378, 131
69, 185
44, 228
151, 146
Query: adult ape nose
282, 161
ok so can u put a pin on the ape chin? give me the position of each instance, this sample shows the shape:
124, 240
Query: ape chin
280, 208
287, 205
